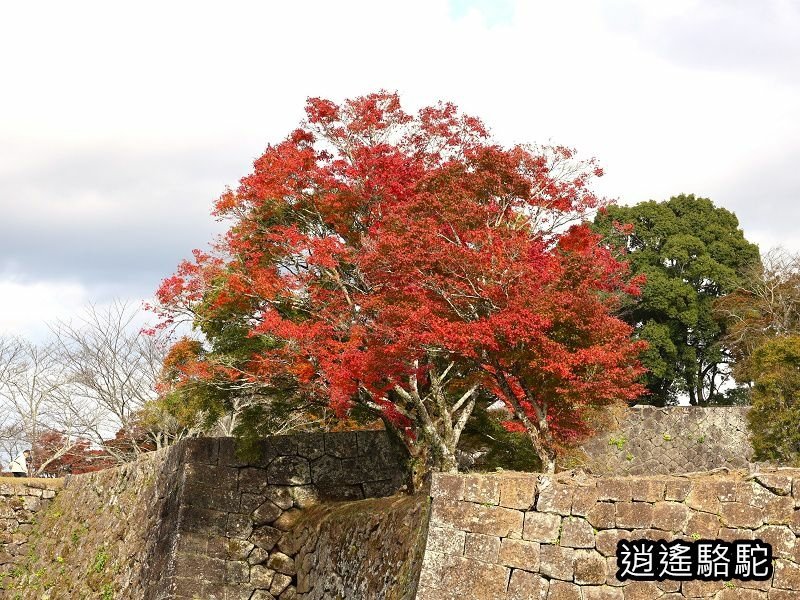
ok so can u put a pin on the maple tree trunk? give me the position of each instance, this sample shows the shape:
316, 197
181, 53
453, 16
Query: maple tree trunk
446, 459
540, 436
538, 433
542, 445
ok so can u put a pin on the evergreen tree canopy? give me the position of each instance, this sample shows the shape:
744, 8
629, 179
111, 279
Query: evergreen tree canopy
691, 253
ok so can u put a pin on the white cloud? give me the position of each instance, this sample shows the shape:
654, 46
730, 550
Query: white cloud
123, 121
25, 307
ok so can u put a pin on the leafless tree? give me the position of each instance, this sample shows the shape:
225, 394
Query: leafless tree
34, 399
112, 365
766, 305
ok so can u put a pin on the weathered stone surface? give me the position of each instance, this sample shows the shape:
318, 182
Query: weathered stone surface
309, 445
266, 537
541, 527
288, 594
641, 590
281, 563
482, 547
556, 562
647, 490
253, 480
344, 445
576, 533
202, 520
519, 554
737, 514
464, 577
445, 485
554, 497
702, 525
729, 534
669, 585
590, 567
237, 571
321, 549
267, 513
205, 496
584, 499
220, 478
261, 577
379, 489
779, 511
289, 470
238, 549
375, 546
648, 440
561, 590
476, 518
527, 586
606, 540
446, 541
787, 575
616, 489
611, 569
634, 515
703, 497
280, 582
201, 451
677, 489
238, 526
335, 493
780, 485
740, 594
701, 589
484, 489
602, 515
286, 497
781, 538
287, 520
602, 592
670, 516
518, 492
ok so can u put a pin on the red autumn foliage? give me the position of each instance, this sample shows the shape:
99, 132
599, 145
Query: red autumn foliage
378, 247
54, 455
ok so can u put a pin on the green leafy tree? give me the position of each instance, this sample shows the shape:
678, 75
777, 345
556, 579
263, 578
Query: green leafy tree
691, 253
775, 415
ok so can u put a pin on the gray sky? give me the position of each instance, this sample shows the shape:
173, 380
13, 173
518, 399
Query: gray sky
122, 122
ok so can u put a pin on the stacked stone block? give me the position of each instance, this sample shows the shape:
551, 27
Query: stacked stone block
197, 521
20, 501
677, 439
526, 536
236, 526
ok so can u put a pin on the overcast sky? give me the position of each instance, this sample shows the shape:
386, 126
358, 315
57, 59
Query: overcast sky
122, 122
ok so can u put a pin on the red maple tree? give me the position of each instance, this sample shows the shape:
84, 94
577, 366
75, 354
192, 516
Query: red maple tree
411, 265
53, 454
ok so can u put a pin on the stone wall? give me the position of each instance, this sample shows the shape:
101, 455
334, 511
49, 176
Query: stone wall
20, 502
197, 521
236, 532
319, 516
105, 535
527, 536
370, 549
678, 439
